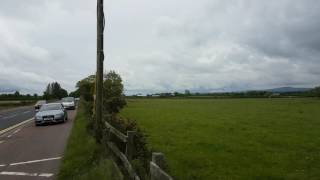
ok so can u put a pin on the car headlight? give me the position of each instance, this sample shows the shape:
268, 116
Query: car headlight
38, 117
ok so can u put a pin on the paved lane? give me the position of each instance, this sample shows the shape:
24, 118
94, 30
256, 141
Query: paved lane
30, 152
14, 116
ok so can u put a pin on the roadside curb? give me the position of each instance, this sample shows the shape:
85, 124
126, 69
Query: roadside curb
15, 126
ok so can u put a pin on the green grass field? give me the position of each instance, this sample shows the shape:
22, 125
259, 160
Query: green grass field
233, 138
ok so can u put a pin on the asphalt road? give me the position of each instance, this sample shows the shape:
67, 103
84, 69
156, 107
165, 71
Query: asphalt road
32, 152
14, 116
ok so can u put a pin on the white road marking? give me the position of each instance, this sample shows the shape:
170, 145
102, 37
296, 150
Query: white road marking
18, 173
34, 161
45, 175
15, 126
25, 112
16, 131
26, 174
2, 165
12, 116
9, 136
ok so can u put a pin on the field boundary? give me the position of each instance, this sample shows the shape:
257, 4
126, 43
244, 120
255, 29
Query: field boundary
156, 165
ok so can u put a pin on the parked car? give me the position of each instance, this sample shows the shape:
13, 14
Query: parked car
68, 103
51, 113
39, 103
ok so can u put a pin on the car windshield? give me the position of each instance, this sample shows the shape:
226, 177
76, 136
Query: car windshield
68, 99
48, 107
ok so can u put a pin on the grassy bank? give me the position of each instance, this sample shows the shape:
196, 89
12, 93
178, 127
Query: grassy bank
233, 138
83, 157
13, 104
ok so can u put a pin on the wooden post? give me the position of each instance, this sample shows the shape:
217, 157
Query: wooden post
130, 145
108, 134
156, 166
158, 159
100, 58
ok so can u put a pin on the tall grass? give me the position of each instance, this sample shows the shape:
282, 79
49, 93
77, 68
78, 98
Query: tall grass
84, 159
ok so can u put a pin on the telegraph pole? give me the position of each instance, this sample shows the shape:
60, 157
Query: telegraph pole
100, 58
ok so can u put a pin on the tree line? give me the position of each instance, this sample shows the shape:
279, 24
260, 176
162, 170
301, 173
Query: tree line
53, 91
315, 92
17, 96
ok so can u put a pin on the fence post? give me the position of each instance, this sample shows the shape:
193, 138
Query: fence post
156, 165
130, 145
108, 134
158, 159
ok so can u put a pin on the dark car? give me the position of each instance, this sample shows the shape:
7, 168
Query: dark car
38, 105
51, 113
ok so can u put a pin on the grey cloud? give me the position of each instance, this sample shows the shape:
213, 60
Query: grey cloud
277, 40
165, 45
44, 41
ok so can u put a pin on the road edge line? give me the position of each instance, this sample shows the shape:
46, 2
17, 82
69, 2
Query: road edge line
15, 126
35, 161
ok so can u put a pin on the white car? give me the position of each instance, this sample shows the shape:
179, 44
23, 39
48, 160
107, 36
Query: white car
68, 103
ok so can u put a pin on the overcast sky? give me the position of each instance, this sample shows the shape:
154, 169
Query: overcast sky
157, 46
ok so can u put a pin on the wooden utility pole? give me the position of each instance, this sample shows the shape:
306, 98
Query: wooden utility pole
100, 58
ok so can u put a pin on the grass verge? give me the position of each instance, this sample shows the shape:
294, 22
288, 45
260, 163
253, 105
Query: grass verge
84, 158
4, 105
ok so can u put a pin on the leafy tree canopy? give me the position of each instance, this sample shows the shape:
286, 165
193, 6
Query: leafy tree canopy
113, 97
54, 91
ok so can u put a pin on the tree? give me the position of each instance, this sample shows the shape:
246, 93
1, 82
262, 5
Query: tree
113, 97
16, 94
316, 91
62, 93
187, 92
86, 88
54, 91
75, 93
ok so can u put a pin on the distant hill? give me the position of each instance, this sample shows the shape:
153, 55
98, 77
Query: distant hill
288, 89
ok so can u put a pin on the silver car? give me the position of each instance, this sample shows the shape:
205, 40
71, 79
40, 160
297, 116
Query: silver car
51, 113
68, 103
